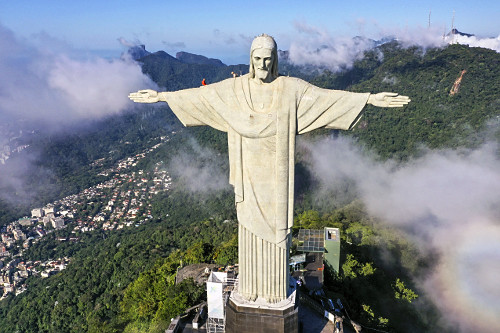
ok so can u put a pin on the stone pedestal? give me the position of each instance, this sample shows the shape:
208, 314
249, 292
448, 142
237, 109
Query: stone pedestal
259, 316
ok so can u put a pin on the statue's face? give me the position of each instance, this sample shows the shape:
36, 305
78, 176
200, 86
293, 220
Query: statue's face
262, 60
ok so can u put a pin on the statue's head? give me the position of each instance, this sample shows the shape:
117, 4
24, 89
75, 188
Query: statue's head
264, 58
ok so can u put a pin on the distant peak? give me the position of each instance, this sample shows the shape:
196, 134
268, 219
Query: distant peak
456, 32
190, 58
138, 51
163, 54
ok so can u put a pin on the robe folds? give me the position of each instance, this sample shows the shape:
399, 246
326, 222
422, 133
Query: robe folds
261, 145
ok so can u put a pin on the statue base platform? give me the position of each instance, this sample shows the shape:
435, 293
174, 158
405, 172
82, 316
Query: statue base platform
244, 316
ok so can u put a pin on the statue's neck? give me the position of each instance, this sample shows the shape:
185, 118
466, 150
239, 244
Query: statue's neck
260, 81
261, 95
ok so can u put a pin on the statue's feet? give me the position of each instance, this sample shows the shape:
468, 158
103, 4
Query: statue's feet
253, 297
249, 297
273, 299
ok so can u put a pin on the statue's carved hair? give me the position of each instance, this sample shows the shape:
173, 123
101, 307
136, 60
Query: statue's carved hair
265, 41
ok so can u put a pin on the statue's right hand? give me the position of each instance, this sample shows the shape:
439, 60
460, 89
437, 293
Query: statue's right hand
145, 96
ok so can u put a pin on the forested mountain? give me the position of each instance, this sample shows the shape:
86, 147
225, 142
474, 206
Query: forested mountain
435, 118
122, 280
173, 74
59, 164
190, 58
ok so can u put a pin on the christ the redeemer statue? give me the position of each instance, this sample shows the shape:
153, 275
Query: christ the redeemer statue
262, 113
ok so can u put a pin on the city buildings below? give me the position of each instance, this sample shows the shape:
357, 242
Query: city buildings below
123, 200
320, 247
37, 212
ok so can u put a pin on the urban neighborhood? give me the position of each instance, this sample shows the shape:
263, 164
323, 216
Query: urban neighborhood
124, 200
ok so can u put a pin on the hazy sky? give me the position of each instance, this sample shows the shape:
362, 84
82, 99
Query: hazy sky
223, 29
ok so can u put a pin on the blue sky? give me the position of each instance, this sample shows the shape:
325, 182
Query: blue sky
222, 28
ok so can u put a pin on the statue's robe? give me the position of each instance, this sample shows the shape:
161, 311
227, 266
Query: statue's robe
261, 140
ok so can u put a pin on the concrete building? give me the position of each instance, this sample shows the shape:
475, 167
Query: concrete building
332, 248
4, 237
25, 222
49, 210
46, 221
37, 212
58, 222
3, 250
219, 287
18, 234
321, 247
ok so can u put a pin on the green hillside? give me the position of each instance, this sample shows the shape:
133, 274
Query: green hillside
172, 74
434, 118
60, 164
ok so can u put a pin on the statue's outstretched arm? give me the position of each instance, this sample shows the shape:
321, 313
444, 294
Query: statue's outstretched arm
146, 96
388, 100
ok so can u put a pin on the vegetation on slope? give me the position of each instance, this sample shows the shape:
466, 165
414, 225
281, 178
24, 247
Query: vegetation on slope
434, 118
374, 281
86, 296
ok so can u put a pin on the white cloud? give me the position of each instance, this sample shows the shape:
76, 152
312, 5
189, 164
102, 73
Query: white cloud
94, 88
318, 47
432, 37
449, 202
128, 43
200, 169
49, 86
40, 83
464, 284
315, 46
418, 36
473, 41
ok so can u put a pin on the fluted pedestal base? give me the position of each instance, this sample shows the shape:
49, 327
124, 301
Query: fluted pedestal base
244, 316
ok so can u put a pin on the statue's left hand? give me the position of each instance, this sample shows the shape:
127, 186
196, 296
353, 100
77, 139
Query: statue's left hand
388, 100
145, 96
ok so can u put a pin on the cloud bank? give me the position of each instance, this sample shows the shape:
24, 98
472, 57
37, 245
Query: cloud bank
318, 47
473, 41
447, 201
47, 86
199, 169
42, 86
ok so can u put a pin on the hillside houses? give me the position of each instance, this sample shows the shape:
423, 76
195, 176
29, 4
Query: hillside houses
14, 274
124, 200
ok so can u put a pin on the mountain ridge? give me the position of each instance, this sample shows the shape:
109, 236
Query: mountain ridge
191, 58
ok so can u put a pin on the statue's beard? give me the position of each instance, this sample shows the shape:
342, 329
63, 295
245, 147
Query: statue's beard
261, 74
